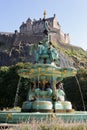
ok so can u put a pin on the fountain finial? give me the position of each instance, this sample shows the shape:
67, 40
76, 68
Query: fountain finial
44, 14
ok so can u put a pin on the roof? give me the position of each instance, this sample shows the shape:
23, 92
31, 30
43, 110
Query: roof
38, 21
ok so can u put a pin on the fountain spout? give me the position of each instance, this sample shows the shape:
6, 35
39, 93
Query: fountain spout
81, 93
17, 92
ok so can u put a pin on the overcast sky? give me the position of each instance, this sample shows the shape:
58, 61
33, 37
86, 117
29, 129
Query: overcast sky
71, 14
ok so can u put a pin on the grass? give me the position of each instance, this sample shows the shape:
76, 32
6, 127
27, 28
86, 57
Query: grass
53, 124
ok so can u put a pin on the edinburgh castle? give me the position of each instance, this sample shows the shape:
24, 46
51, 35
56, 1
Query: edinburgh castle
32, 30
37, 27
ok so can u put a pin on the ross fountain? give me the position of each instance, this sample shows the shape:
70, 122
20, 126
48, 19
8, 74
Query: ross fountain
46, 97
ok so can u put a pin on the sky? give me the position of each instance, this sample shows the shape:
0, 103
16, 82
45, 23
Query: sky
71, 15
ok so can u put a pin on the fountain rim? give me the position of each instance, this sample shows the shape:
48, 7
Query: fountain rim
46, 70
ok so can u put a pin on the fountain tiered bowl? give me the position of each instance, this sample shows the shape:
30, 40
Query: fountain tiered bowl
47, 70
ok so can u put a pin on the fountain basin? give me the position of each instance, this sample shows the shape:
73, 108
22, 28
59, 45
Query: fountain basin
41, 106
18, 117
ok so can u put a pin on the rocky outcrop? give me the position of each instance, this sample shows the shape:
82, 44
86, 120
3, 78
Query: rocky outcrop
16, 48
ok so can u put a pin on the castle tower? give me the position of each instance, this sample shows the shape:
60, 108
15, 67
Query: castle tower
29, 24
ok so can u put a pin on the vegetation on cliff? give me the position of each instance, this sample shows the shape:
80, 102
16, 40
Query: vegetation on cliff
77, 55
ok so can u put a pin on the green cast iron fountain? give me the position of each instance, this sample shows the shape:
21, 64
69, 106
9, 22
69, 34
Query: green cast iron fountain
45, 75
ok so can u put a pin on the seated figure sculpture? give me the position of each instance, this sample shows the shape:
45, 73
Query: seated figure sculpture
44, 92
48, 89
32, 96
53, 52
61, 93
59, 98
43, 97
